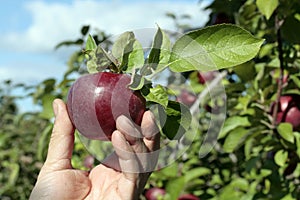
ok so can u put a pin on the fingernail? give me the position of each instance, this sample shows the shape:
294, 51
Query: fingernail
55, 108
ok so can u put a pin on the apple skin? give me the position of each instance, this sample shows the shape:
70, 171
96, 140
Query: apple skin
204, 77
154, 193
289, 110
89, 162
188, 197
186, 98
96, 100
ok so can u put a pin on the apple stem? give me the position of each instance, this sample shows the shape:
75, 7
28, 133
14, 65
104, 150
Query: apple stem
114, 68
278, 24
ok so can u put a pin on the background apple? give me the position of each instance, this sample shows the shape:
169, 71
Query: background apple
154, 193
89, 162
289, 110
203, 77
188, 197
96, 100
186, 98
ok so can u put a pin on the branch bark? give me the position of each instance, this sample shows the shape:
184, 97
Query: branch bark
278, 24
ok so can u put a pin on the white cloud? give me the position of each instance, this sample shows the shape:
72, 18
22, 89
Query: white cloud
55, 22
31, 71
32, 49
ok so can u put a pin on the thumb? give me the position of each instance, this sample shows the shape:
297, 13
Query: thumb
62, 139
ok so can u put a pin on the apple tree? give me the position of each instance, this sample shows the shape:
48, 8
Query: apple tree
244, 140
256, 154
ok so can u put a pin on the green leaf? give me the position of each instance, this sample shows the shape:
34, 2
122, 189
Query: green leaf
267, 7
281, 157
137, 82
297, 136
91, 64
158, 95
267, 186
174, 120
212, 48
118, 48
285, 130
265, 172
240, 184
196, 173
232, 123
169, 171
102, 60
159, 54
245, 71
288, 197
234, 138
175, 186
248, 148
135, 56
128, 51
90, 49
296, 80
14, 172
47, 112
90, 44
43, 142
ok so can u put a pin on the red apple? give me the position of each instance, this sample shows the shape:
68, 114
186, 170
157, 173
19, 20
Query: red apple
186, 98
154, 193
188, 197
96, 100
89, 162
204, 77
289, 110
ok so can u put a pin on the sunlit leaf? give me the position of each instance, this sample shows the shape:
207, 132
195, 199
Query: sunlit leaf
281, 157
47, 112
234, 138
267, 7
159, 95
233, 122
128, 51
175, 186
212, 48
159, 54
90, 44
285, 130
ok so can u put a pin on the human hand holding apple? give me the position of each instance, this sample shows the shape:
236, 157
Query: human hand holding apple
114, 178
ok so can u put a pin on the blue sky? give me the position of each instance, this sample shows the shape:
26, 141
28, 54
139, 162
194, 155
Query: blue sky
31, 29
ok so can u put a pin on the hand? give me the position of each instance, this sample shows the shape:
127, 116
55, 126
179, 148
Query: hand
122, 175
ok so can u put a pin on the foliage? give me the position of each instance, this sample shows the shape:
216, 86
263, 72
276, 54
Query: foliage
253, 157
23, 143
203, 49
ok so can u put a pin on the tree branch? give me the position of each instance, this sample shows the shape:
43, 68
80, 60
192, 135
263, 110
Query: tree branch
278, 24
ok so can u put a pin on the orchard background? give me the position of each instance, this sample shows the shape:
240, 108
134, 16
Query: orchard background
254, 157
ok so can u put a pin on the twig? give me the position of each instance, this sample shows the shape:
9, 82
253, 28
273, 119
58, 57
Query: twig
278, 24
194, 108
